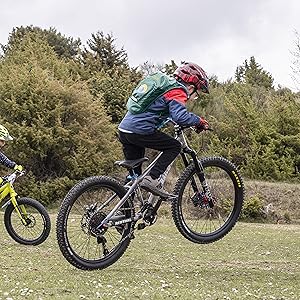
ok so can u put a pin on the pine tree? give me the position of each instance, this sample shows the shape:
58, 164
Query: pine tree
171, 67
108, 74
252, 73
102, 53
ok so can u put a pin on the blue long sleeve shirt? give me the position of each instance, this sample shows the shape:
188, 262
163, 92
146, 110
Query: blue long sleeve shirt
4, 160
146, 123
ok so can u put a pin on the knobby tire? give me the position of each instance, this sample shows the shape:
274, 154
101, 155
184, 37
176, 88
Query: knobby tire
193, 218
37, 215
78, 195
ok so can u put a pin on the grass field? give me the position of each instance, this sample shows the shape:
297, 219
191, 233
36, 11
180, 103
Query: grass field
254, 261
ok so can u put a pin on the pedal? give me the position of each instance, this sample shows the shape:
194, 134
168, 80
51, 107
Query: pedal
141, 226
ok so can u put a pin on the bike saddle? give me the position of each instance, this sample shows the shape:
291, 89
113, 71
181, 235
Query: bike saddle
130, 164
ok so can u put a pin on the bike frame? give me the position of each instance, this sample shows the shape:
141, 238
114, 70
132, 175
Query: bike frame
7, 189
134, 184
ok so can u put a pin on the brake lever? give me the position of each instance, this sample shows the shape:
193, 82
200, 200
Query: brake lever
20, 173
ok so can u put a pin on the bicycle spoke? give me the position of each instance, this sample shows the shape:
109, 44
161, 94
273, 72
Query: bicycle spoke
31, 231
87, 210
198, 216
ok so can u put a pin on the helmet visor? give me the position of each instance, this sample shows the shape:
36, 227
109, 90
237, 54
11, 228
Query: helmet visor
6, 138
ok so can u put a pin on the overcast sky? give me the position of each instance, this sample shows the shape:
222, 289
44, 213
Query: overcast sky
218, 35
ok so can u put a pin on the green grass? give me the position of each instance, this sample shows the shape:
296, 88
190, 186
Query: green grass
254, 261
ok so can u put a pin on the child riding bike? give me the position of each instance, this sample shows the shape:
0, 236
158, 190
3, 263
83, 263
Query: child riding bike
155, 99
26, 220
4, 160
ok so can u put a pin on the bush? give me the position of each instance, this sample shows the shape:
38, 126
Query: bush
253, 209
61, 133
256, 128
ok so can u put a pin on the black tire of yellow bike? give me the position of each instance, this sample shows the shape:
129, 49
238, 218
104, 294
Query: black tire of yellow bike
234, 174
62, 217
45, 217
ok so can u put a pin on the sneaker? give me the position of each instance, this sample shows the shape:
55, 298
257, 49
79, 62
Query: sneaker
155, 187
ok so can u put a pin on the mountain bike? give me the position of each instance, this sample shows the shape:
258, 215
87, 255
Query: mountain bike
99, 215
26, 220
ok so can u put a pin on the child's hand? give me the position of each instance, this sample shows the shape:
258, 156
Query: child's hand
203, 125
18, 168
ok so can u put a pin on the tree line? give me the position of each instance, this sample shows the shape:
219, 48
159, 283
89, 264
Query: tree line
63, 101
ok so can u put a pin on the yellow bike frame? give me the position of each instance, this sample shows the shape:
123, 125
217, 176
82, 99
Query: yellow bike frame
8, 189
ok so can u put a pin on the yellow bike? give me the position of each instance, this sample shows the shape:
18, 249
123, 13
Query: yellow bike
26, 220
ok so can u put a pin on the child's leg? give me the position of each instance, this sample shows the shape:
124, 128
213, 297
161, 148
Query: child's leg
135, 144
131, 151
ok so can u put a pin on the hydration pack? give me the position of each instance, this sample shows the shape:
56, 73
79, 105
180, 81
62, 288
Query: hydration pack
149, 89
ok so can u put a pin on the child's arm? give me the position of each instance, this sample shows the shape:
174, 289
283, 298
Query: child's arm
4, 160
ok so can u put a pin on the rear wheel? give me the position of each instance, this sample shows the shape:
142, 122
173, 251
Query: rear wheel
37, 224
83, 244
194, 216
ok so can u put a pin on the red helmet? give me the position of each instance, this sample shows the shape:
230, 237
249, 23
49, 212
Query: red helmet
193, 74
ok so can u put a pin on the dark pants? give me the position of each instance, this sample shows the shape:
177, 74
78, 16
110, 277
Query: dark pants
134, 147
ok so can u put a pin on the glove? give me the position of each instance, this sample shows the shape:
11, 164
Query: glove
18, 168
203, 125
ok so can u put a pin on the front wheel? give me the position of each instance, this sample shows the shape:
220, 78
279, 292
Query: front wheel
35, 225
197, 218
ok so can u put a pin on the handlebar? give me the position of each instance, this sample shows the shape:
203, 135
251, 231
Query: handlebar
169, 120
20, 173
13, 176
208, 129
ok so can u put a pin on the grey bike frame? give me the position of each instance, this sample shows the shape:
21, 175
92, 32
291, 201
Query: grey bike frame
129, 192
181, 138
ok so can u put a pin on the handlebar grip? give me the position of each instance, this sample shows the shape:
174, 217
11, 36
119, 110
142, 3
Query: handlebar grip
195, 129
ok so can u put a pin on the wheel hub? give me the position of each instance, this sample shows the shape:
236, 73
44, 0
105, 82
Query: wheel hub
30, 221
201, 200
91, 220
95, 220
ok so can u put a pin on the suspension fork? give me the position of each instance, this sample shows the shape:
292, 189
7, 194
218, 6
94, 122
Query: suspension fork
20, 209
186, 163
200, 173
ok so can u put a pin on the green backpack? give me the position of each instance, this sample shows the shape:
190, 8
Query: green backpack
149, 89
